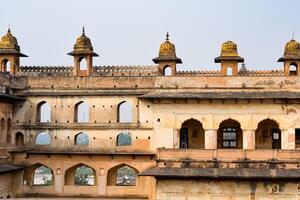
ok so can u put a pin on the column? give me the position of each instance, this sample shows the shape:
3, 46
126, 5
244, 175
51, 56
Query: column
249, 139
211, 138
288, 138
59, 181
101, 182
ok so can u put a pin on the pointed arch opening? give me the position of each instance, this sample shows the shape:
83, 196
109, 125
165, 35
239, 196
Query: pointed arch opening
229, 71
124, 139
43, 112
83, 64
38, 175
5, 66
81, 139
192, 134
43, 138
124, 114
293, 69
122, 175
19, 139
81, 175
230, 134
167, 71
81, 112
268, 135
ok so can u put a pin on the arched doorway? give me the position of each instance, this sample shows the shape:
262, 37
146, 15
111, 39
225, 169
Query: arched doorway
230, 134
19, 139
268, 135
191, 134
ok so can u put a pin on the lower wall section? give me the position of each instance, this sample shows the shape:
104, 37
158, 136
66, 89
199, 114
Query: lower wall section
227, 190
6, 186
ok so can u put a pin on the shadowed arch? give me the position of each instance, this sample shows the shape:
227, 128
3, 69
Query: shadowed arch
80, 174
192, 134
293, 69
38, 174
19, 139
230, 134
268, 135
122, 175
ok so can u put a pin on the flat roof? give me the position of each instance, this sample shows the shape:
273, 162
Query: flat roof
222, 95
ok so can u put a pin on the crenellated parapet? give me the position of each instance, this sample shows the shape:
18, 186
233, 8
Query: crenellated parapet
199, 73
262, 73
126, 71
46, 71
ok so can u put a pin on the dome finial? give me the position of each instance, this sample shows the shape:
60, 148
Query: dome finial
293, 35
167, 36
83, 31
8, 30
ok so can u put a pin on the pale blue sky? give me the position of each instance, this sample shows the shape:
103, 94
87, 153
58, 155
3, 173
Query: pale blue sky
129, 32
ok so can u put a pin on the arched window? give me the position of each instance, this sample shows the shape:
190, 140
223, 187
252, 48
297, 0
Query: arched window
43, 112
80, 174
19, 139
268, 135
230, 134
122, 175
43, 176
83, 64
293, 69
167, 71
229, 71
81, 139
5, 65
124, 112
192, 134
124, 139
43, 139
81, 112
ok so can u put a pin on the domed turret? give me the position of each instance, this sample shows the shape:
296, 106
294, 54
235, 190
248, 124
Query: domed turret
8, 41
9, 45
9, 54
229, 58
167, 52
229, 52
291, 58
83, 45
167, 58
291, 51
83, 53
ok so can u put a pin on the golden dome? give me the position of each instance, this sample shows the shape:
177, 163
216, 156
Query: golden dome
83, 43
8, 41
292, 47
167, 52
83, 46
167, 48
229, 48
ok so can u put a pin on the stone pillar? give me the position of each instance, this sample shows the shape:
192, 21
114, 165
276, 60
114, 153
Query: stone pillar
176, 138
288, 138
249, 139
59, 181
211, 139
101, 182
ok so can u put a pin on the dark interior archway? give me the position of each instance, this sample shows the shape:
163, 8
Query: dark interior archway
192, 134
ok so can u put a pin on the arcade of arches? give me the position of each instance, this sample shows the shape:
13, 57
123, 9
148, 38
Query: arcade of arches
230, 135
